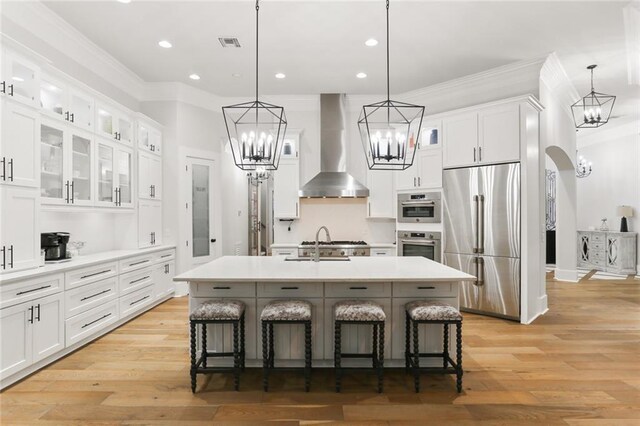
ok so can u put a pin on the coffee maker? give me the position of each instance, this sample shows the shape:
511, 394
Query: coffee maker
54, 245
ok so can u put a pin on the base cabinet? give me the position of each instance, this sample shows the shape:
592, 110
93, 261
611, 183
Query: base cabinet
163, 279
608, 251
19, 225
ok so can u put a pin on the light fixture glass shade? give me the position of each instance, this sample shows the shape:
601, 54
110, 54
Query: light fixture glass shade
390, 131
256, 133
625, 211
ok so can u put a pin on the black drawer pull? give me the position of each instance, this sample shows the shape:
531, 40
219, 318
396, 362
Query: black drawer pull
139, 263
95, 321
426, 288
94, 295
32, 290
139, 279
289, 288
166, 255
94, 274
358, 288
221, 288
139, 300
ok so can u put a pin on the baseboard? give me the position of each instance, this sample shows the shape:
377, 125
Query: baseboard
568, 275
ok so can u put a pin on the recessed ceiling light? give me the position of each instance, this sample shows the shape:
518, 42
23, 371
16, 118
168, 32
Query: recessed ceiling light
194, 77
124, 1
236, 75
371, 42
165, 44
361, 75
280, 75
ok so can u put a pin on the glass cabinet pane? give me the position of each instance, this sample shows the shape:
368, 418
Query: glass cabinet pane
429, 136
23, 80
105, 173
52, 98
51, 162
82, 110
81, 168
105, 121
124, 128
143, 137
124, 176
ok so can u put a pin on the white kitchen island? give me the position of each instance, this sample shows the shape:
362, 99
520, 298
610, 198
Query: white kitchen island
390, 281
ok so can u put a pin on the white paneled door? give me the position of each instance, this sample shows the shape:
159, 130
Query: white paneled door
201, 235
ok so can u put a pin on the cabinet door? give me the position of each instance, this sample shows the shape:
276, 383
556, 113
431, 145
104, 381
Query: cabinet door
156, 175
81, 168
150, 176
124, 169
125, 129
19, 146
163, 279
48, 326
431, 135
155, 140
430, 168
381, 202
54, 185
499, 134
81, 109
20, 228
15, 339
105, 120
407, 179
20, 79
460, 140
53, 98
144, 137
286, 183
149, 223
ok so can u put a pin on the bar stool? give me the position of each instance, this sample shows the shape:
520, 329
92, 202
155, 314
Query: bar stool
285, 312
217, 311
432, 312
359, 312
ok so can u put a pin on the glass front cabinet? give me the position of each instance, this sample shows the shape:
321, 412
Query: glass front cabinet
19, 79
64, 102
113, 124
114, 165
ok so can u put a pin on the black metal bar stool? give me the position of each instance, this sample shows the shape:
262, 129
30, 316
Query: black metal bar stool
359, 312
217, 311
432, 312
285, 312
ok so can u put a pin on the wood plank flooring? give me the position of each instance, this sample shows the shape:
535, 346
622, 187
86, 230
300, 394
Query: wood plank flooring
577, 365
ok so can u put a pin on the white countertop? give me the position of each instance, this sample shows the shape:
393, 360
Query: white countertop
78, 262
360, 269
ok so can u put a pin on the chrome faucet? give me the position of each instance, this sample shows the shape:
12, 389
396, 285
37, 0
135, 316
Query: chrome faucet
316, 256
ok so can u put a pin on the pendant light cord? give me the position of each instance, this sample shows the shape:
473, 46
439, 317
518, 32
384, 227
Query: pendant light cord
592, 81
257, 10
388, 96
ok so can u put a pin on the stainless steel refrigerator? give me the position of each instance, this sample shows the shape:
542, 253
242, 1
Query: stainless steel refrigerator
481, 214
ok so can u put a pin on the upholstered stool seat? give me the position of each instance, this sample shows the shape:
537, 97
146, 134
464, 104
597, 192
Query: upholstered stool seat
429, 310
358, 310
219, 309
211, 312
285, 312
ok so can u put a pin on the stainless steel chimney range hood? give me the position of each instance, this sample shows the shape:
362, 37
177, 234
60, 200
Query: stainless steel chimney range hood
333, 181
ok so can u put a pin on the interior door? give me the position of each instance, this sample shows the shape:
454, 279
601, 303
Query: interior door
459, 210
201, 235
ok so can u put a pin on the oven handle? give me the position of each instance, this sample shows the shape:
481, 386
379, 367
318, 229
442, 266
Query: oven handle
420, 243
418, 202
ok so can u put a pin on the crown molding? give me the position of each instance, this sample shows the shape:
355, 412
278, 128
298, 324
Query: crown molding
559, 85
631, 15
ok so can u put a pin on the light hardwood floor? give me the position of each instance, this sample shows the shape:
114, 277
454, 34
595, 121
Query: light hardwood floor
578, 365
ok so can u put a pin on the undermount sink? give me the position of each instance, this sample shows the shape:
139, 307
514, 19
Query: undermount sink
322, 259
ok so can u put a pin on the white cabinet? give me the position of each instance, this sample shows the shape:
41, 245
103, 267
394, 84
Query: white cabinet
149, 223
113, 123
460, 134
114, 164
19, 228
608, 251
286, 184
20, 78
382, 251
30, 332
288, 251
19, 146
163, 279
66, 170
149, 176
381, 202
291, 144
64, 102
429, 168
149, 138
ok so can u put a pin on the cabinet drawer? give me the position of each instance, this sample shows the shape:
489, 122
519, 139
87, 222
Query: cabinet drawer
135, 301
90, 274
419, 290
383, 252
225, 290
91, 322
289, 289
597, 238
165, 256
136, 262
598, 262
597, 255
23, 291
89, 296
358, 290
293, 251
135, 280
597, 246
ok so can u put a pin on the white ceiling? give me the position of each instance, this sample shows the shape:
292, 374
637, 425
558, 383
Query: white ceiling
319, 45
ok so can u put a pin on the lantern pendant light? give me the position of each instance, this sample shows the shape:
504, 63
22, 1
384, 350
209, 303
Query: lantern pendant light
594, 109
255, 129
390, 130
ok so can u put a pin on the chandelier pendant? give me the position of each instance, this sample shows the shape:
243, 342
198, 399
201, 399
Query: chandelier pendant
583, 168
594, 109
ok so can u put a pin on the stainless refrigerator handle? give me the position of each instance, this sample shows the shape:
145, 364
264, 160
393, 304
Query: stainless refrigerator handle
477, 213
480, 273
474, 155
481, 227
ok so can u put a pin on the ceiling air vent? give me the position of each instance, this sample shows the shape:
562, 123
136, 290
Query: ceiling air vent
229, 41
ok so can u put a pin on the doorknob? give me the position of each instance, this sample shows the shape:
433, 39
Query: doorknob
213, 240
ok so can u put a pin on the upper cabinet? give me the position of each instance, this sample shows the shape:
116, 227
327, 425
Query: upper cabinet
19, 146
114, 186
20, 79
286, 184
149, 176
65, 102
490, 135
382, 201
290, 144
426, 171
113, 123
149, 138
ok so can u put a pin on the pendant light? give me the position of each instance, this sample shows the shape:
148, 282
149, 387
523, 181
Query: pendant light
255, 129
583, 168
390, 130
594, 109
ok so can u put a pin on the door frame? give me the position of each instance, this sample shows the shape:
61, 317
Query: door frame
184, 182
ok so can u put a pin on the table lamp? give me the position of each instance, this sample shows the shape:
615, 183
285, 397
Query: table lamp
625, 212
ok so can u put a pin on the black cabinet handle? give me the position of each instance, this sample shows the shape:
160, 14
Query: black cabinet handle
66, 115
32, 290
166, 269
72, 196
139, 263
358, 288
4, 257
221, 288
426, 288
4, 168
95, 273
30, 315
289, 288
11, 169
138, 280
95, 321
66, 186
11, 256
73, 117
139, 300
166, 255
213, 240
4, 87
38, 314
11, 90
94, 295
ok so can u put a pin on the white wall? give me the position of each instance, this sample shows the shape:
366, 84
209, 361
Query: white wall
97, 229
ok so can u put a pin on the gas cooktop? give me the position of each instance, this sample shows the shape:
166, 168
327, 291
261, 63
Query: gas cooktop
334, 248
335, 243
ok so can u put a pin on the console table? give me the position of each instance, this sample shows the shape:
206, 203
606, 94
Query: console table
608, 251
